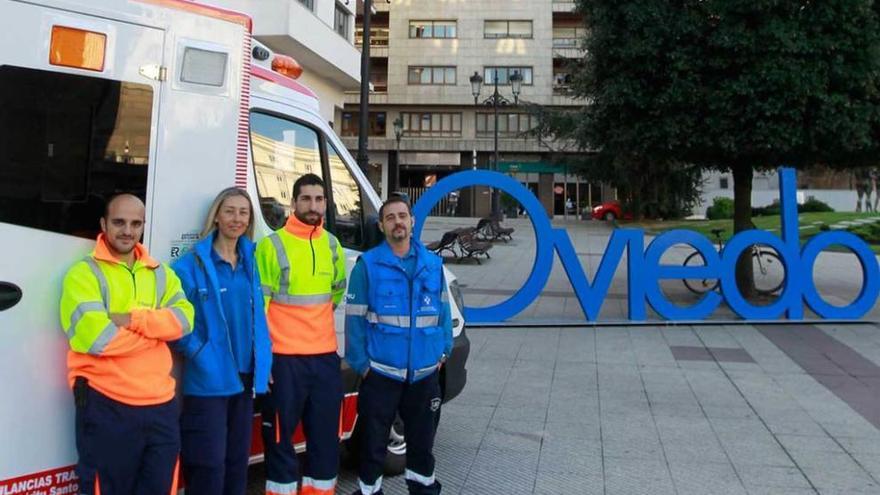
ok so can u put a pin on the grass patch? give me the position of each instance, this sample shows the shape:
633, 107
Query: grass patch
810, 224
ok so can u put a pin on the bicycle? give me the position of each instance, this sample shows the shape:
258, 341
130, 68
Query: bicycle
768, 269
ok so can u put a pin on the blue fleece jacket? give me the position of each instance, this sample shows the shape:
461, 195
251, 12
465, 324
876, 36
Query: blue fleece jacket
210, 368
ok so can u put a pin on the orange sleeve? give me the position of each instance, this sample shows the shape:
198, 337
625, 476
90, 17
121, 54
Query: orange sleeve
126, 343
161, 324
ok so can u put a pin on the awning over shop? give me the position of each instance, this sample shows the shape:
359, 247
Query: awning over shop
531, 167
430, 159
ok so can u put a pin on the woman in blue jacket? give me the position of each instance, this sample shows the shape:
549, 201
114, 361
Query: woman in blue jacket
227, 358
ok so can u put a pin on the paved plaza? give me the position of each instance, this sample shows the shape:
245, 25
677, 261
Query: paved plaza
657, 410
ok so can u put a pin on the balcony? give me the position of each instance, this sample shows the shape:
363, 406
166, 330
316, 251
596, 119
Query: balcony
563, 5
378, 39
293, 28
564, 99
568, 34
376, 98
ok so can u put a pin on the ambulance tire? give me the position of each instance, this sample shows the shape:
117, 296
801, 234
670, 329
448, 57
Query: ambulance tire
395, 461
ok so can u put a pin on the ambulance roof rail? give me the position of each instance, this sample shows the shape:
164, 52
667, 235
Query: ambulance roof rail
206, 10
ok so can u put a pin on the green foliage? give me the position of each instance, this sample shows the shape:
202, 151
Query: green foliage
870, 233
724, 83
814, 205
721, 208
811, 205
772, 209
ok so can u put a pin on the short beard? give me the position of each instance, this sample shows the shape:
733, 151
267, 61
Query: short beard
306, 221
119, 251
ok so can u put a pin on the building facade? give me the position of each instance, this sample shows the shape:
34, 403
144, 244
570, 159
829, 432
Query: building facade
423, 54
319, 34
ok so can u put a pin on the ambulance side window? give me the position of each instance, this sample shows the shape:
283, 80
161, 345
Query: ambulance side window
347, 205
282, 151
67, 143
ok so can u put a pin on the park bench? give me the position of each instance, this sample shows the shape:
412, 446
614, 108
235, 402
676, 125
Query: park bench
490, 229
470, 246
446, 243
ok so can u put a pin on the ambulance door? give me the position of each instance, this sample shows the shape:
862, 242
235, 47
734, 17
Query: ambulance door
78, 107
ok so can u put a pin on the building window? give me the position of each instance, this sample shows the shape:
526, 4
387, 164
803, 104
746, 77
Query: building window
310, 4
431, 124
507, 29
341, 21
724, 183
350, 122
504, 74
61, 158
568, 36
509, 124
432, 29
422, 75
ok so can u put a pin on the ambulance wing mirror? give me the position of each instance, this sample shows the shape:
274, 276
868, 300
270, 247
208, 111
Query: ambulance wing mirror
10, 294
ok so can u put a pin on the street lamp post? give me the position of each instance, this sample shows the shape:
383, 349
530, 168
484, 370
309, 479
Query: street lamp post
363, 157
495, 100
398, 133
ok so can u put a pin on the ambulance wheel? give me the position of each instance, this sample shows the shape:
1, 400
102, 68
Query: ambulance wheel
395, 461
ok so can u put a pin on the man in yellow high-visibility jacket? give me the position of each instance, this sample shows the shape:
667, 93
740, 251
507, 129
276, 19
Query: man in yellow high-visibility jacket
119, 307
302, 267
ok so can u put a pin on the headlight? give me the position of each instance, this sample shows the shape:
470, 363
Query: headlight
455, 290
597, 208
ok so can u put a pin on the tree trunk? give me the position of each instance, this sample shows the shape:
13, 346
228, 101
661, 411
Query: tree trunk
637, 189
636, 195
742, 220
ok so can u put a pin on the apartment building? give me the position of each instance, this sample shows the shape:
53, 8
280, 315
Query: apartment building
319, 34
423, 55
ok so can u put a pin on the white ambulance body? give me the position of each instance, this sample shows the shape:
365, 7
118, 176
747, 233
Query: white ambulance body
156, 97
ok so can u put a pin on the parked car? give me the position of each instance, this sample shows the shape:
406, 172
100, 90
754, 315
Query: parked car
610, 211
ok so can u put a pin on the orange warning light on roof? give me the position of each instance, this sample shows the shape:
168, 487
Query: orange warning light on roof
73, 47
287, 66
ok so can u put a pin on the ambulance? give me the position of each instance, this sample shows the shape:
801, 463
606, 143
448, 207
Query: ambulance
172, 100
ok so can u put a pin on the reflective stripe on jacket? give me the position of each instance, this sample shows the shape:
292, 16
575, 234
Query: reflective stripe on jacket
405, 338
302, 268
210, 368
131, 364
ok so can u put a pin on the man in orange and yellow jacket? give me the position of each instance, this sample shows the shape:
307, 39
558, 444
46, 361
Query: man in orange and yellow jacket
302, 267
119, 307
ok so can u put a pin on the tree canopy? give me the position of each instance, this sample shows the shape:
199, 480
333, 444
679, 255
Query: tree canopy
726, 84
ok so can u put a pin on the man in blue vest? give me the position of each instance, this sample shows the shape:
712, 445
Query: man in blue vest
398, 333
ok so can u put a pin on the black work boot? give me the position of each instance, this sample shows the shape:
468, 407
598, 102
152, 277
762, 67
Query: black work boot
416, 488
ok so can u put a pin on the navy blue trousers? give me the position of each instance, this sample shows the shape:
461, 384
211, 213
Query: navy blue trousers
307, 389
216, 442
129, 449
379, 399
